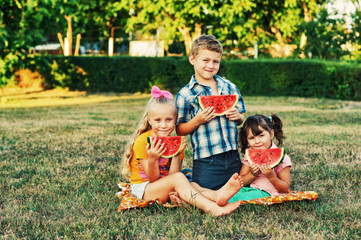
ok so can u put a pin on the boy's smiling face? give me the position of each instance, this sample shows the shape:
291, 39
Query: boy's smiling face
206, 64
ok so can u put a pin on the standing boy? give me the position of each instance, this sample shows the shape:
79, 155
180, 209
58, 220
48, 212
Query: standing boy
214, 138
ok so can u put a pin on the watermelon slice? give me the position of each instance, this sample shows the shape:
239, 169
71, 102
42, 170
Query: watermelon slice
173, 144
221, 103
273, 157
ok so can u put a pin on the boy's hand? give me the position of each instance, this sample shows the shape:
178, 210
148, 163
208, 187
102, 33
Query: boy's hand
205, 115
155, 151
234, 115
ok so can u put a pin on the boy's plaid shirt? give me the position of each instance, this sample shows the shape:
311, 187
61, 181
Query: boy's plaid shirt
218, 135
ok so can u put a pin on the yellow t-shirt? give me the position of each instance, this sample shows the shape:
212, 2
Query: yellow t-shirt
137, 175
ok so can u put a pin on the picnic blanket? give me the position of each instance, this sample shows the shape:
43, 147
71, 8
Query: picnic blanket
129, 201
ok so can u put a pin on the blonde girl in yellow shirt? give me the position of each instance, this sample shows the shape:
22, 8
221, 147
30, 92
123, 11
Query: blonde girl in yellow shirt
154, 177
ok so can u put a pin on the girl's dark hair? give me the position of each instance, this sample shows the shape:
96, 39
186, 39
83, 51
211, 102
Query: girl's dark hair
267, 123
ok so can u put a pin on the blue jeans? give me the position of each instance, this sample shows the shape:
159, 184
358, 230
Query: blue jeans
213, 172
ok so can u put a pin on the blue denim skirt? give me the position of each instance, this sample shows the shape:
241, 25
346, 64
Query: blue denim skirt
213, 172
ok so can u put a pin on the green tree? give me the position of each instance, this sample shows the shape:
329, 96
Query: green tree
237, 23
187, 19
21, 28
269, 23
327, 37
355, 32
92, 19
26, 23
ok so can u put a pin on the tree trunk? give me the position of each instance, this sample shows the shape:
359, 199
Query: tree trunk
197, 31
278, 35
307, 18
188, 39
69, 34
282, 49
60, 37
77, 45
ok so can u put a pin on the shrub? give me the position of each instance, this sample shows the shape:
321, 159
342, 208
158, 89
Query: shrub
304, 78
271, 77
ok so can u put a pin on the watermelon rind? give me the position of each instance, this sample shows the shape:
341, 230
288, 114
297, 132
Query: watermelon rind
215, 96
150, 141
275, 163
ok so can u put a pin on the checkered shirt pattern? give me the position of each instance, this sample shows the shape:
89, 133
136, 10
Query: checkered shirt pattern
218, 135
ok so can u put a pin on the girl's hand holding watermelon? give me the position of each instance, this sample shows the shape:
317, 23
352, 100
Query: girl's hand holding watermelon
154, 151
182, 148
267, 171
254, 169
264, 169
176, 165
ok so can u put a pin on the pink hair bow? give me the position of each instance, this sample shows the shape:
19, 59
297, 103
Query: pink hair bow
157, 93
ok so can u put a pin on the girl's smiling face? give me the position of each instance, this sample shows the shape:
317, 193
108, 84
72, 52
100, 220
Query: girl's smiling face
261, 141
162, 119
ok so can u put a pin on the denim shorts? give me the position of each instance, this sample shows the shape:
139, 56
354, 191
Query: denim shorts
138, 189
215, 171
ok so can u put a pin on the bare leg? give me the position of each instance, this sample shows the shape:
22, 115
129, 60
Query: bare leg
234, 184
179, 183
222, 195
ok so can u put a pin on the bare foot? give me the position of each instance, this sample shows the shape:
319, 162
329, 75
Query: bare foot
224, 210
175, 199
229, 189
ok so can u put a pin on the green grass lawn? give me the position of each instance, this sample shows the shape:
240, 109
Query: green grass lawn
59, 168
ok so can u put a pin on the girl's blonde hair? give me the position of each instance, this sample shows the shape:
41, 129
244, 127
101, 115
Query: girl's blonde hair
143, 126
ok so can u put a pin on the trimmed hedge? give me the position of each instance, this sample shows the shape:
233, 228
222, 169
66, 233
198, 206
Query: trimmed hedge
323, 79
116, 74
272, 77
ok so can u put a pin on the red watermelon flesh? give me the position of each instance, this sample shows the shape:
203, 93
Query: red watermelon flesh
221, 103
273, 157
173, 144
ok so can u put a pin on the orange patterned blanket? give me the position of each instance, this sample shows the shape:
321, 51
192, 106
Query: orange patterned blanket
128, 200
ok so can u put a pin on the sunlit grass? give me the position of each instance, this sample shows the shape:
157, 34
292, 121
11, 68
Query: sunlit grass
59, 168
59, 97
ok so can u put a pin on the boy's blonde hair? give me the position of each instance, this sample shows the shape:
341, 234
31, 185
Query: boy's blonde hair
208, 42
143, 126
